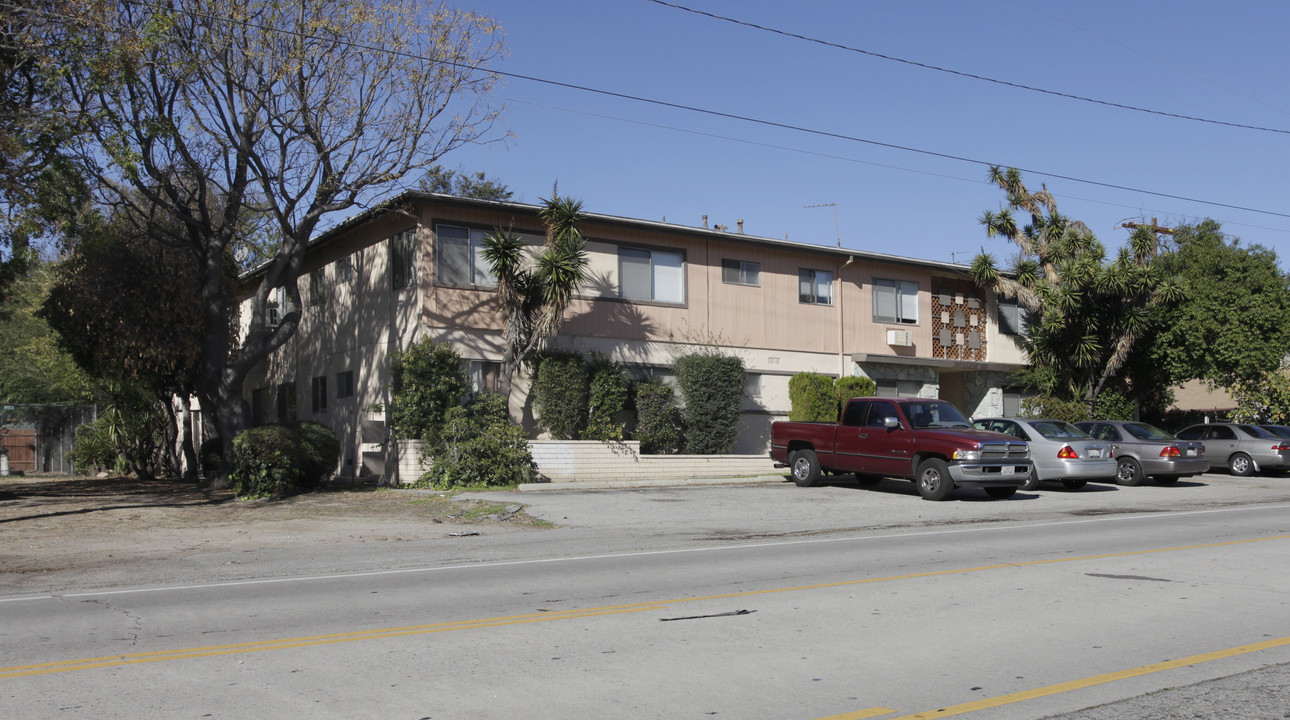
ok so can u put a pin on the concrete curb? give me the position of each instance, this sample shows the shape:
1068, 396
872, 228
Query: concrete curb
624, 484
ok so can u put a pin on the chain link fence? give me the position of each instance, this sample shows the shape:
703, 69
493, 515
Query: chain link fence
38, 438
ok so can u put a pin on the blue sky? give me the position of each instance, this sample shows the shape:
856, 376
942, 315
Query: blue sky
1218, 61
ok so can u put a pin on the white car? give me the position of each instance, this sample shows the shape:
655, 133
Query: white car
1060, 451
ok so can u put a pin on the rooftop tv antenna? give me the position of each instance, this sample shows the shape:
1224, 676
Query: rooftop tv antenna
835, 218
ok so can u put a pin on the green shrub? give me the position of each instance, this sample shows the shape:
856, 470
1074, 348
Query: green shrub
93, 449
267, 462
1113, 405
560, 391
712, 385
1047, 406
812, 397
607, 397
852, 386
426, 380
479, 445
321, 451
658, 421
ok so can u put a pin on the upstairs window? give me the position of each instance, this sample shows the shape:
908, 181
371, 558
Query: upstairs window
317, 286
815, 286
460, 259
895, 301
343, 269
657, 275
1012, 319
403, 253
345, 384
741, 272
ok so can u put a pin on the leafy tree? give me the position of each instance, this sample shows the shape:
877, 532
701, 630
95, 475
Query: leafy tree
1230, 329
426, 382
252, 109
852, 386
1085, 315
33, 368
453, 182
532, 298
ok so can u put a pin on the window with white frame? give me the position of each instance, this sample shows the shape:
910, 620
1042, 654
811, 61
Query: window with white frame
740, 272
1012, 319
483, 375
345, 384
651, 274
318, 394
403, 253
895, 301
815, 286
459, 257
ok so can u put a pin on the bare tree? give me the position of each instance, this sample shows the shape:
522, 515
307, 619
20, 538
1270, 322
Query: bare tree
287, 113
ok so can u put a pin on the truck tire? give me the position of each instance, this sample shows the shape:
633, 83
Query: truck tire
805, 467
933, 479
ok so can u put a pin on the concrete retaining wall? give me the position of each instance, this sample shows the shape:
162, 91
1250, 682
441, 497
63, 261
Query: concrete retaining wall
593, 461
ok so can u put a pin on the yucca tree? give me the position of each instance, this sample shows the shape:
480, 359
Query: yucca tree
1084, 314
532, 297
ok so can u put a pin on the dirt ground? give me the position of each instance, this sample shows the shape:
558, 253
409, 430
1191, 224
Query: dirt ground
115, 519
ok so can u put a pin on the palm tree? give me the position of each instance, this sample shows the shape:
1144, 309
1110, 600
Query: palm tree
533, 298
1084, 315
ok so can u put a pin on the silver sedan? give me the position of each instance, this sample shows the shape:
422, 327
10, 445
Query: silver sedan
1060, 451
1144, 451
1244, 449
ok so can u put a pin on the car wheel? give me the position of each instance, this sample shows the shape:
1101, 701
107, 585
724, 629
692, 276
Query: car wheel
806, 468
1128, 472
1240, 464
1074, 484
1032, 482
1165, 479
933, 479
1001, 493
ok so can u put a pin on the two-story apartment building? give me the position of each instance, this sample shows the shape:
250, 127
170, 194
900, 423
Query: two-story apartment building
382, 280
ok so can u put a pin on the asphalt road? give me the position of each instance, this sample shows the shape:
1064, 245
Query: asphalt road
766, 601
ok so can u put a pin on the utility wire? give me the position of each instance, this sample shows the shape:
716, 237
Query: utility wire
744, 118
960, 73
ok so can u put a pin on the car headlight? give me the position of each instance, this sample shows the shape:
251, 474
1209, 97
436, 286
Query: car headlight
967, 454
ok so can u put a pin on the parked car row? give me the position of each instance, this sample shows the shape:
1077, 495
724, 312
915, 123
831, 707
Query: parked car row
1130, 452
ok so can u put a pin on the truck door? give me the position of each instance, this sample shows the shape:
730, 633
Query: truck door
848, 441
887, 450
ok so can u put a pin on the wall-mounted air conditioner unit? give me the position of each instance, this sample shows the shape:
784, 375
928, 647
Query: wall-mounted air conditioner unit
899, 338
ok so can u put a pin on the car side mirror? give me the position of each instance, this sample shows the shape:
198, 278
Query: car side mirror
890, 423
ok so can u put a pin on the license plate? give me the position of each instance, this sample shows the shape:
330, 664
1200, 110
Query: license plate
1007, 470
1191, 452
1095, 452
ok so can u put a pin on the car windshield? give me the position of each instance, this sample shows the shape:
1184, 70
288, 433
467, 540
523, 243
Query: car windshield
1056, 429
1143, 431
933, 414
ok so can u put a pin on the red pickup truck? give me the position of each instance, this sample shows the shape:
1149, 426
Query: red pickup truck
920, 439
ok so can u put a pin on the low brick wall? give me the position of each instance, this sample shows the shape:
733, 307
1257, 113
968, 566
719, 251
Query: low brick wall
595, 461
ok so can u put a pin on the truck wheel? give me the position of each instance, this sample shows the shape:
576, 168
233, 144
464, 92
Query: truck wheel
1129, 472
805, 467
933, 479
1001, 493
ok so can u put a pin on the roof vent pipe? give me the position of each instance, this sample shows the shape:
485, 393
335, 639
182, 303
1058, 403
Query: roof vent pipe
740, 224
705, 222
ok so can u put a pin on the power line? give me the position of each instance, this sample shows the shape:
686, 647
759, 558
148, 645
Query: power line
972, 76
744, 118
